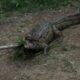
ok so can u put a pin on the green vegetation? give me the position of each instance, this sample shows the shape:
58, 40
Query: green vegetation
31, 5
20, 41
19, 51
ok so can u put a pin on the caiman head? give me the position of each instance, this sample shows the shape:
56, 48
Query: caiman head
30, 43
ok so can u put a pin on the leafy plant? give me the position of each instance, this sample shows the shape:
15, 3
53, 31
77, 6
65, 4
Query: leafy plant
20, 41
19, 51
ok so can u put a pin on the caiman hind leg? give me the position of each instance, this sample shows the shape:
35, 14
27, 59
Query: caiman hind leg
58, 34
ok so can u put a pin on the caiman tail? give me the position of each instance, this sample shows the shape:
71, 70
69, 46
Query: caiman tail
68, 21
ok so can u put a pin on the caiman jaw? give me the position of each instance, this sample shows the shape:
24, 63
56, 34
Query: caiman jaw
29, 45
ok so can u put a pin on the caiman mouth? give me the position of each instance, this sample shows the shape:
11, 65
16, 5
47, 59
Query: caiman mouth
32, 45
29, 45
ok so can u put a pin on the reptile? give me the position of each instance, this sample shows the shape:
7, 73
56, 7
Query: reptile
43, 33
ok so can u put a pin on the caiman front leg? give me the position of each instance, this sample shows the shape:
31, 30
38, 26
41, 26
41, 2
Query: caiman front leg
45, 48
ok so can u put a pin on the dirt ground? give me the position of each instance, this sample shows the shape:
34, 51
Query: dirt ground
62, 61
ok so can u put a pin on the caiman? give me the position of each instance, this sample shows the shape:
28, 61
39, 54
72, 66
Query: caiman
45, 32
42, 34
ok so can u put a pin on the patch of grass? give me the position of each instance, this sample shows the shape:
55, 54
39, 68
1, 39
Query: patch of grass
19, 51
31, 5
8, 7
20, 41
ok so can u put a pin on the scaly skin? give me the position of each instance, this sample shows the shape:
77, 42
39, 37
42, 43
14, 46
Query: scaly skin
44, 33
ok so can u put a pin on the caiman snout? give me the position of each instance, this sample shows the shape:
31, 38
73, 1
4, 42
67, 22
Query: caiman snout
29, 45
28, 37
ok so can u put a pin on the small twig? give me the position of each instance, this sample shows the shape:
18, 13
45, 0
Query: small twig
8, 46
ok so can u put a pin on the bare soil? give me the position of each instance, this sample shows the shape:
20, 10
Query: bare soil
62, 61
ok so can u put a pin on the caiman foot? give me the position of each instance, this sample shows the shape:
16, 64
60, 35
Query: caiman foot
45, 48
